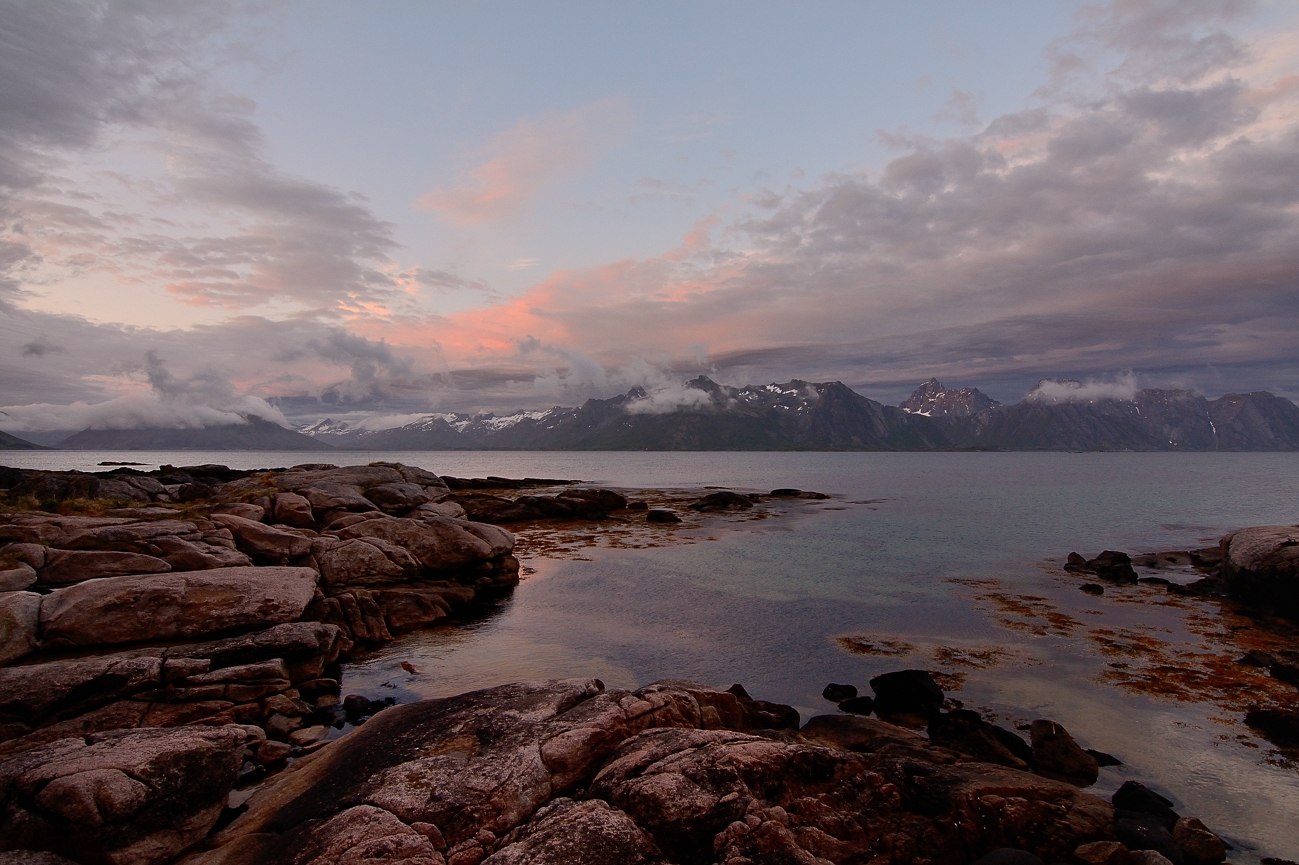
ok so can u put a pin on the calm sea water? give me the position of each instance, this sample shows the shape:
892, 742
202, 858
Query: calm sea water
891, 557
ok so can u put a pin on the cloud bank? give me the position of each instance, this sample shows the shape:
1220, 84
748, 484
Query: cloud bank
1141, 213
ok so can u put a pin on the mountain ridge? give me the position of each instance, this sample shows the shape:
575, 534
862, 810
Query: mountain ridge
796, 415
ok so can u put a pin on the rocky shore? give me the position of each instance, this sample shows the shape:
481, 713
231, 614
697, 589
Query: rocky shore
170, 650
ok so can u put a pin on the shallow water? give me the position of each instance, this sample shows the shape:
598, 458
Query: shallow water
953, 559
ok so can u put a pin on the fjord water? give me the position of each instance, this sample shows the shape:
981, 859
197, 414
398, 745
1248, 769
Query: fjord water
891, 556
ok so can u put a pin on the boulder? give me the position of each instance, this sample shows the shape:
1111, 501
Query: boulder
907, 693
1148, 834
19, 623
65, 567
127, 537
1261, 567
292, 509
452, 510
437, 543
136, 797
246, 510
37, 693
185, 555
837, 693
660, 515
115, 610
857, 705
721, 501
265, 544
362, 562
397, 498
15, 577
1102, 853
1057, 755
32, 555
1110, 565
1133, 797
337, 498
1199, 845
354, 476
965, 732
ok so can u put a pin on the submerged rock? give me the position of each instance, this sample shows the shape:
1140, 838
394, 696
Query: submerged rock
907, 692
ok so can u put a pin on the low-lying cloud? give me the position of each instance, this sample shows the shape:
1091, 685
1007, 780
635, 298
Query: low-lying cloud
666, 399
1069, 390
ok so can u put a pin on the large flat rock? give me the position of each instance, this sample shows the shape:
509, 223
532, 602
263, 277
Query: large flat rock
438, 543
172, 606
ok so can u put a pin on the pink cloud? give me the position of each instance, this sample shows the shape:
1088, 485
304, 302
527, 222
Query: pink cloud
520, 162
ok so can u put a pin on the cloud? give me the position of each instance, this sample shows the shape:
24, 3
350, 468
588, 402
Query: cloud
201, 400
519, 163
1068, 390
98, 84
669, 398
1145, 217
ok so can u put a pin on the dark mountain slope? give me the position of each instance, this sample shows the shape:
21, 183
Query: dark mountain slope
13, 443
257, 434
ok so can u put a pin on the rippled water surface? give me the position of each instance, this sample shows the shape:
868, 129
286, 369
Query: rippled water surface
944, 561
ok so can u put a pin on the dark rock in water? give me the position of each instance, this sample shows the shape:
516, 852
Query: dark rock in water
1199, 845
1110, 565
907, 692
659, 515
838, 693
1057, 755
637, 506
791, 493
1114, 566
1278, 726
355, 705
721, 501
857, 705
965, 732
1076, 563
1012, 742
1008, 856
1137, 798
1092, 588
1102, 759
1148, 834
762, 715
1261, 567
1154, 581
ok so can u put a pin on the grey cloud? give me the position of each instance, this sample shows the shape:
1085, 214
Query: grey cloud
73, 72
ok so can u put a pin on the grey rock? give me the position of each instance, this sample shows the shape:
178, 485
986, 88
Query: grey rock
1261, 567
362, 562
397, 498
17, 577
115, 610
265, 544
1057, 755
185, 555
65, 567
19, 622
437, 543
33, 555
125, 536
246, 510
292, 509
136, 797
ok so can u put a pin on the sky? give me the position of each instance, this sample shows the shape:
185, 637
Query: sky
384, 209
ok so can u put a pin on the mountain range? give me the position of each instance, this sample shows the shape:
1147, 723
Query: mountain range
797, 415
